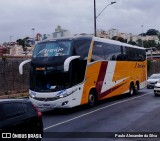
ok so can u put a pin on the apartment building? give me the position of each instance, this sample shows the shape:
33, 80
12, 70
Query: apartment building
18, 51
126, 36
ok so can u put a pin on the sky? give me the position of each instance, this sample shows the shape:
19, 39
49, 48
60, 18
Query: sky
19, 17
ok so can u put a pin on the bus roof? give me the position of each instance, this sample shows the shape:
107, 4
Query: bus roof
69, 38
116, 42
95, 39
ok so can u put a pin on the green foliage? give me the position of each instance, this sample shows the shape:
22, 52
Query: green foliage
132, 43
139, 42
4, 58
152, 32
152, 43
22, 42
146, 44
117, 38
142, 34
125, 40
158, 46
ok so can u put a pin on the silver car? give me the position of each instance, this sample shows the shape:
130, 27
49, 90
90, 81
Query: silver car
152, 80
157, 88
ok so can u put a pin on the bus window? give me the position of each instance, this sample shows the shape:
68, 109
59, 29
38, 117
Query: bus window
105, 51
122, 56
54, 48
81, 48
97, 53
135, 54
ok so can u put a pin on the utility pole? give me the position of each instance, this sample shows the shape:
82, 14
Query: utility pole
95, 34
95, 17
142, 35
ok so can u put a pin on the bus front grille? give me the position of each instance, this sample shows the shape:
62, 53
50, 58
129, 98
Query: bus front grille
46, 99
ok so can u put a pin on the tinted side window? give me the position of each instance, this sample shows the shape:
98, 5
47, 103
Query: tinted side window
135, 54
105, 51
111, 51
97, 53
81, 47
13, 109
142, 55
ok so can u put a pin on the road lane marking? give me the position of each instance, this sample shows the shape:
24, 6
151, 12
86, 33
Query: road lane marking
95, 111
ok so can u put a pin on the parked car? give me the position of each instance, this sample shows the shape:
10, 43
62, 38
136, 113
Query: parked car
19, 116
157, 88
152, 80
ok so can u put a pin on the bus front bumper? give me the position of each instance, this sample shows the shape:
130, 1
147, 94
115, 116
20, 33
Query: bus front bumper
50, 105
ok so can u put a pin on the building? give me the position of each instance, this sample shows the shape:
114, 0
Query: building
101, 33
126, 36
59, 32
18, 51
3, 51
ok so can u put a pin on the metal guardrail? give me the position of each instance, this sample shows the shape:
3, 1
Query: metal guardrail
153, 54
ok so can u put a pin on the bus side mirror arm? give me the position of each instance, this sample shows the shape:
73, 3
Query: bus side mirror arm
22, 64
67, 62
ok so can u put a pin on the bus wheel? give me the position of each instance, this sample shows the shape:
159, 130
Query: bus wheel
136, 89
131, 89
92, 99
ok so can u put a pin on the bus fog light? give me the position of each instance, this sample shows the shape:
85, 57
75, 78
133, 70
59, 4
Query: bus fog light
64, 103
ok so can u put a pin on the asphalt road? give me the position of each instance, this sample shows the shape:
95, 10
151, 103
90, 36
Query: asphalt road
136, 114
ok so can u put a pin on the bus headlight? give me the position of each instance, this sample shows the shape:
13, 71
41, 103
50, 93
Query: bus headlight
32, 94
64, 93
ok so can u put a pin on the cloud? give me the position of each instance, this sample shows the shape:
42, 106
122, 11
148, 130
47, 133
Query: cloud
18, 17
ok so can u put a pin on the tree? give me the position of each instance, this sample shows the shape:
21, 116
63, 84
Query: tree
125, 41
146, 44
158, 46
142, 34
152, 32
152, 43
139, 42
22, 42
132, 43
117, 38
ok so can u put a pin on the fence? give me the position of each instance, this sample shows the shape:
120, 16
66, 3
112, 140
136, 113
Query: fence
153, 67
11, 82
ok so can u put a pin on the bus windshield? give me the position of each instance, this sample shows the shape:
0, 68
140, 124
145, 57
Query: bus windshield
53, 48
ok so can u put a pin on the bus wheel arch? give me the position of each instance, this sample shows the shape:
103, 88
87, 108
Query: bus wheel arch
92, 98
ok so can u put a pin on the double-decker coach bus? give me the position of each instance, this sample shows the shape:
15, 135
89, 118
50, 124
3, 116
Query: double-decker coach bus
67, 72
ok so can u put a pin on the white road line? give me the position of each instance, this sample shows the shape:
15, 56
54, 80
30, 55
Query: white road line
95, 111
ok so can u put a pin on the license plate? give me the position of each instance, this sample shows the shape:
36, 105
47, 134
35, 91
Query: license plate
45, 106
38, 69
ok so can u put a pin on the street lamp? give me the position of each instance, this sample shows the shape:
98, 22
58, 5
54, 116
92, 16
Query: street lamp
10, 39
142, 35
95, 17
33, 32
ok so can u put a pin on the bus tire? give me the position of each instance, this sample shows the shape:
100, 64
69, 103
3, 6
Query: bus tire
92, 99
155, 94
136, 89
131, 89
